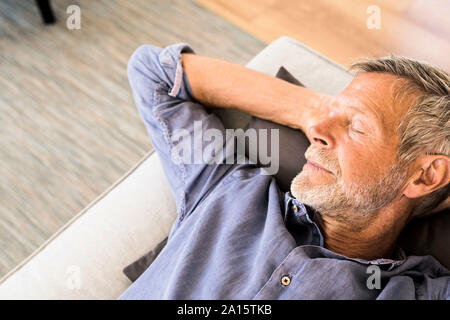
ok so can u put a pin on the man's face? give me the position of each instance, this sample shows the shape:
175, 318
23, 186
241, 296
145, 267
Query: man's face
353, 138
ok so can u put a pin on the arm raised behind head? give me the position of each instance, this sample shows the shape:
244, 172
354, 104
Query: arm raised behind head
218, 83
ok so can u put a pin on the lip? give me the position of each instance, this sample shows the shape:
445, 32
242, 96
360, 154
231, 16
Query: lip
316, 166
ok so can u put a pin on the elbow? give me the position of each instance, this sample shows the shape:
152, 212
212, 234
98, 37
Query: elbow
141, 61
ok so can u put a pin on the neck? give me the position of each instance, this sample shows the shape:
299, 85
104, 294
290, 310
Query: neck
369, 238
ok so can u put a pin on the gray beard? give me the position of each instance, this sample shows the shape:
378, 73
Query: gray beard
336, 200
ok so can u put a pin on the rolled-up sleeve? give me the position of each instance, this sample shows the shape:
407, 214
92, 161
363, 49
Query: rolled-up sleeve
166, 104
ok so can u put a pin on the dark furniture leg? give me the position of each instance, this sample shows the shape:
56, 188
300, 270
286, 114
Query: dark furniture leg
46, 11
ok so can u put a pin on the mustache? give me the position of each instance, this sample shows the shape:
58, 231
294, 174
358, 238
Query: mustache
324, 158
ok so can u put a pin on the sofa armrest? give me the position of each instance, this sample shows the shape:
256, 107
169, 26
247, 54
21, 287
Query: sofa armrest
85, 258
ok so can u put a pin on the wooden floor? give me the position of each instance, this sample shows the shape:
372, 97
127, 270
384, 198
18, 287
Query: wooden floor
338, 28
69, 126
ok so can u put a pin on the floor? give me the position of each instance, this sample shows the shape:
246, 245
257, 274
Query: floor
69, 126
340, 29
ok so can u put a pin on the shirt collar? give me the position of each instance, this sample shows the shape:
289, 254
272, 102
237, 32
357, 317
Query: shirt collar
303, 214
290, 202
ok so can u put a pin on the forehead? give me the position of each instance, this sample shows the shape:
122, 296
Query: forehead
373, 94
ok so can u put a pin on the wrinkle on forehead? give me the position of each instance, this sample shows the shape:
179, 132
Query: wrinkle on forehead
378, 93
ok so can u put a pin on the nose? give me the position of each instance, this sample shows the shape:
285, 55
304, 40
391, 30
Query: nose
318, 135
323, 133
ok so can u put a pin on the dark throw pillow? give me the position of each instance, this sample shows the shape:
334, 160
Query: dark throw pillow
135, 269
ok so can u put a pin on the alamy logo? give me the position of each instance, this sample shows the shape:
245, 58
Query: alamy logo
73, 280
73, 21
374, 280
212, 146
374, 20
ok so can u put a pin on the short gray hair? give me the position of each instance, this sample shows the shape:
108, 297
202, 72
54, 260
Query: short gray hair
425, 128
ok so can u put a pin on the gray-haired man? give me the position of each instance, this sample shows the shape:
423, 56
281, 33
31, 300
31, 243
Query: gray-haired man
379, 156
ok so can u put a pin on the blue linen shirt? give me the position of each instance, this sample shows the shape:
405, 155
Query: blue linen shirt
237, 236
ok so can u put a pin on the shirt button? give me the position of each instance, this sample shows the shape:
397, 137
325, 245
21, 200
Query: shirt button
295, 208
285, 280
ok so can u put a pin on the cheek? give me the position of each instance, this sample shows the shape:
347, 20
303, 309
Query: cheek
361, 164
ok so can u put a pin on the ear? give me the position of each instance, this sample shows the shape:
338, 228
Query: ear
428, 173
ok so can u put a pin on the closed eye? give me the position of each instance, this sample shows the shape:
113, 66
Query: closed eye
357, 131
356, 127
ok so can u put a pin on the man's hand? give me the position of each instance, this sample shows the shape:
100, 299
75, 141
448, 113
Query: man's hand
218, 83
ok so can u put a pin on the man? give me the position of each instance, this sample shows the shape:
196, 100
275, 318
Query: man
379, 156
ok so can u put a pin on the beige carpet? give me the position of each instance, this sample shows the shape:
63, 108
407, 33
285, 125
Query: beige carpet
69, 127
